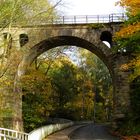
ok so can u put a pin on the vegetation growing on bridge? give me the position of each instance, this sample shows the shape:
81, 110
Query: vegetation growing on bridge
97, 25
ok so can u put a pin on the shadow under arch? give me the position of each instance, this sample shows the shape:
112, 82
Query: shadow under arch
102, 51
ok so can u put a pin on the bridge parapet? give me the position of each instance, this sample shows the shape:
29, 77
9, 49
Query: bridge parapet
84, 19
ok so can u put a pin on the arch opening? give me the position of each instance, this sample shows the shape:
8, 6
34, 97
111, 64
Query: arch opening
23, 39
106, 37
7, 35
53, 42
62, 84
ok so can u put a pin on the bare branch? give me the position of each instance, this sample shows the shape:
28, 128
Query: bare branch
51, 8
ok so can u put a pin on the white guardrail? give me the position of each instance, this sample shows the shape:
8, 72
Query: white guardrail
38, 134
42, 132
8, 134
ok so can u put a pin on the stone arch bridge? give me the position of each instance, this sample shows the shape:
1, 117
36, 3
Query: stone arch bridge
40, 38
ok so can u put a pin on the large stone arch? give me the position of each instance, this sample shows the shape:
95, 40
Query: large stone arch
43, 38
112, 61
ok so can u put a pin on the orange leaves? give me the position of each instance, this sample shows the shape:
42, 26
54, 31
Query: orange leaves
124, 67
128, 31
133, 63
137, 137
129, 35
132, 5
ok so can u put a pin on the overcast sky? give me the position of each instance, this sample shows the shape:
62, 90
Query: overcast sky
90, 7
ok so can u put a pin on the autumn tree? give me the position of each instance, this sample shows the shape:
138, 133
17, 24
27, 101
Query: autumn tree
37, 101
66, 90
128, 39
16, 13
98, 73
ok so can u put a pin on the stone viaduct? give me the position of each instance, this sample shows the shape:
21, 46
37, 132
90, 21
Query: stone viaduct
38, 39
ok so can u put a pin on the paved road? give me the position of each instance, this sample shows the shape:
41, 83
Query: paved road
92, 132
64, 134
88, 131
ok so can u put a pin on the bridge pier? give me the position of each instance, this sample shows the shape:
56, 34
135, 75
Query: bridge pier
121, 89
11, 110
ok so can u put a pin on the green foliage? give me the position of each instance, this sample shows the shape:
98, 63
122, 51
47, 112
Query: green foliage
24, 12
36, 99
130, 44
56, 87
129, 127
133, 19
135, 99
96, 26
131, 124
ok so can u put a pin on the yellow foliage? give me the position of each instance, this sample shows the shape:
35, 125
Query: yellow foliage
133, 28
135, 65
124, 67
132, 5
128, 31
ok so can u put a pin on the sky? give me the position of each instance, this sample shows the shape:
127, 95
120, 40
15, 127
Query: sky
90, 7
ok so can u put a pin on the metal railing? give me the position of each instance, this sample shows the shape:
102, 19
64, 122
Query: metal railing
81, 19
8, 134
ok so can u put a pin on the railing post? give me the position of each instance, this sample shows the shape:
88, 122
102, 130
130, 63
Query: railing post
86, 19
109, 18
98, 19
63, 19
75, 19
123, 17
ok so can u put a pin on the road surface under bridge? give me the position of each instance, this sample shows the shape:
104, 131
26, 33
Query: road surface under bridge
87, 131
